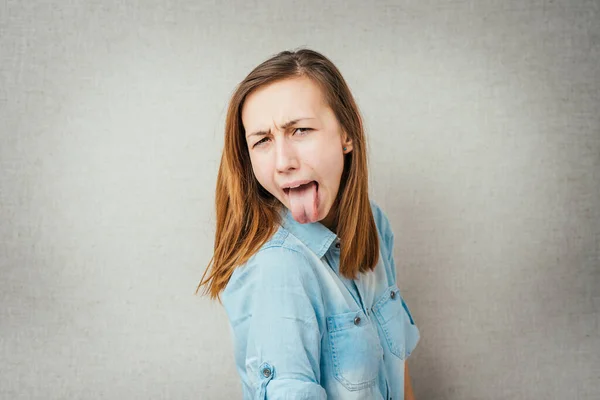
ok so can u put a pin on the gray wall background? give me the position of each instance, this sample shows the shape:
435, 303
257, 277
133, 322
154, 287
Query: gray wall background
484, 131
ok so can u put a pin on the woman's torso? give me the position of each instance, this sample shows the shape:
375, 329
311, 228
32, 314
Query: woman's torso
298, 324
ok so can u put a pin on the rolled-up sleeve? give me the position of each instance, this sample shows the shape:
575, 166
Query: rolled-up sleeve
284, 332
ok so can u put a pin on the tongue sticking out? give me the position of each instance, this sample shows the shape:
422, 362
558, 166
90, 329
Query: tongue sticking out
304, 203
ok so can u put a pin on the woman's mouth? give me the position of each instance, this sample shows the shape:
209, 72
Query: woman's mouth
300, 187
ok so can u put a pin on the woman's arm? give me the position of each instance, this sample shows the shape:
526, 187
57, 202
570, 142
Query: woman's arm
284, 339
408, 391
388, 251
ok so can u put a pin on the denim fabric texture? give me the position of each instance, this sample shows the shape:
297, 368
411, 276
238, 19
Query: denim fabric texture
302, 331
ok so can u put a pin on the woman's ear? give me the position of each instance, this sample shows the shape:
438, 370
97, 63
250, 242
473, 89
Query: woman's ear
346, 143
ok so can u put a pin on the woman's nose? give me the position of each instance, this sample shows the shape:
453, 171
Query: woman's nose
286, 157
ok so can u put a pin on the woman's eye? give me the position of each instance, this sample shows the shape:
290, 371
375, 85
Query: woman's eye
261, 141
302, 130
299, 131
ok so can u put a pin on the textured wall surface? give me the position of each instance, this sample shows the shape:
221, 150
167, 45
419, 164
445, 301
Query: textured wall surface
484, 131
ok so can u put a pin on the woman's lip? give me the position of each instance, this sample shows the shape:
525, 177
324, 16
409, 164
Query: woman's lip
296, 183
286, 190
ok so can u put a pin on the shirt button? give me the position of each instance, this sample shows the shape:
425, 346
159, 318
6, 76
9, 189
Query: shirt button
337, 245
356, 320
266, 372
393, 295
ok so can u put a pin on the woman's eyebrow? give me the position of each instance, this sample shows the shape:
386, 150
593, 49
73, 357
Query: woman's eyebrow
284, 126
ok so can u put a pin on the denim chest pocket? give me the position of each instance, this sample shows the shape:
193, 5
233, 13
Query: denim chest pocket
393, 315
355, 350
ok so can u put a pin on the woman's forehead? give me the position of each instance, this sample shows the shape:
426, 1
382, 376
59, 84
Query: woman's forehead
283, 101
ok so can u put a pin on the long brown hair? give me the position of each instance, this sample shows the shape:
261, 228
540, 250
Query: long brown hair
247, 215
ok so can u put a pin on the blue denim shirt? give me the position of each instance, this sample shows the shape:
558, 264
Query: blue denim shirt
303, 331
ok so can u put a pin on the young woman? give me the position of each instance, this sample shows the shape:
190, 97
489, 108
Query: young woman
303, 259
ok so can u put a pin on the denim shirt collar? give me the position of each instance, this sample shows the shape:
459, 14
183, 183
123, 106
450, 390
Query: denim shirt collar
316, 236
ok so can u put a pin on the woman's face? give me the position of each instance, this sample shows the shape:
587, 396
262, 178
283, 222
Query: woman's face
296, 147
